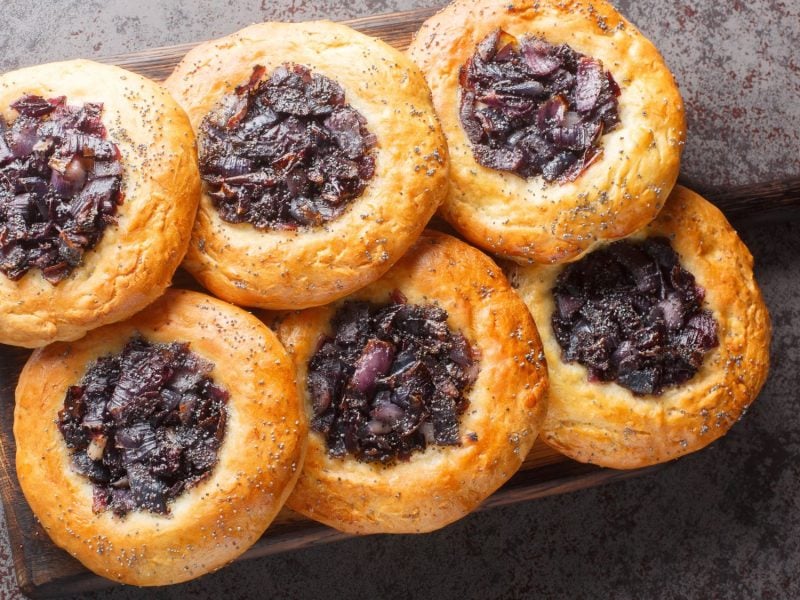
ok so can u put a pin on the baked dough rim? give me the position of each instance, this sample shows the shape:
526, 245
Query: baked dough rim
606, 424
310, 267
530, 220
441, 484
134, 261
210, 524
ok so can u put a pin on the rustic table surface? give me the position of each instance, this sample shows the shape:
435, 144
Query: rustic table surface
722, 523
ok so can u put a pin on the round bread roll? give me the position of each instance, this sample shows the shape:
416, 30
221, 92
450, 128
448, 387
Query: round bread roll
440, 283
308, 258
220, 512
628, 169
146, 226
606, 423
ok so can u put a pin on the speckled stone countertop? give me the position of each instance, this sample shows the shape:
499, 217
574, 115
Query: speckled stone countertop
723, 523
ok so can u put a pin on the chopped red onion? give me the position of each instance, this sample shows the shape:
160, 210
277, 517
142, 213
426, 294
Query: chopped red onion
144, 425
55, 158
631, 314
392, 380
285, 151
535, 109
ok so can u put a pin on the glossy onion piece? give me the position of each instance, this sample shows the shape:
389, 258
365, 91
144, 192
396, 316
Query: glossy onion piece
286, 151
60, 181
391, 381
631, 313
536, 109
144, 425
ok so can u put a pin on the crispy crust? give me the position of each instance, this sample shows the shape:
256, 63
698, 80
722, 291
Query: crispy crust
441, 484
618, 194
310, 267
215, 521
606, 424
134, 262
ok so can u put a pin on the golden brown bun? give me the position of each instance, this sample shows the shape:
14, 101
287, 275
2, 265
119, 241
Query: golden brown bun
443, 483
209, 524
604, 423
310, 267
619, 193
134, 261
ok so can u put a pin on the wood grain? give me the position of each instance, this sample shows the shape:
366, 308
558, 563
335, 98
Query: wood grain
45, 571
760, 203
395, 29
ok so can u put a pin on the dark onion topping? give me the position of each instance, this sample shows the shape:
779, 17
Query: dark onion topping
536, 109
631, 313
391, 381
60, 182
286, 151
144, 425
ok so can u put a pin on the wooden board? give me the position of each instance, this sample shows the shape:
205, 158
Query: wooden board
44, 571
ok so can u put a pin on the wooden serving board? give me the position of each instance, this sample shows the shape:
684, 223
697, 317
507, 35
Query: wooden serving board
45, 571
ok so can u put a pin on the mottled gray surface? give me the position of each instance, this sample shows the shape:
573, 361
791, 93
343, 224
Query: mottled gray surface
722, 523
738, 67
103, 27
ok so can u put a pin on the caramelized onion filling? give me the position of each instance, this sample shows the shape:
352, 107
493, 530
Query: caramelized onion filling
60, 181
144, 425
390, 381
532, 108
631, 313
286, 151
